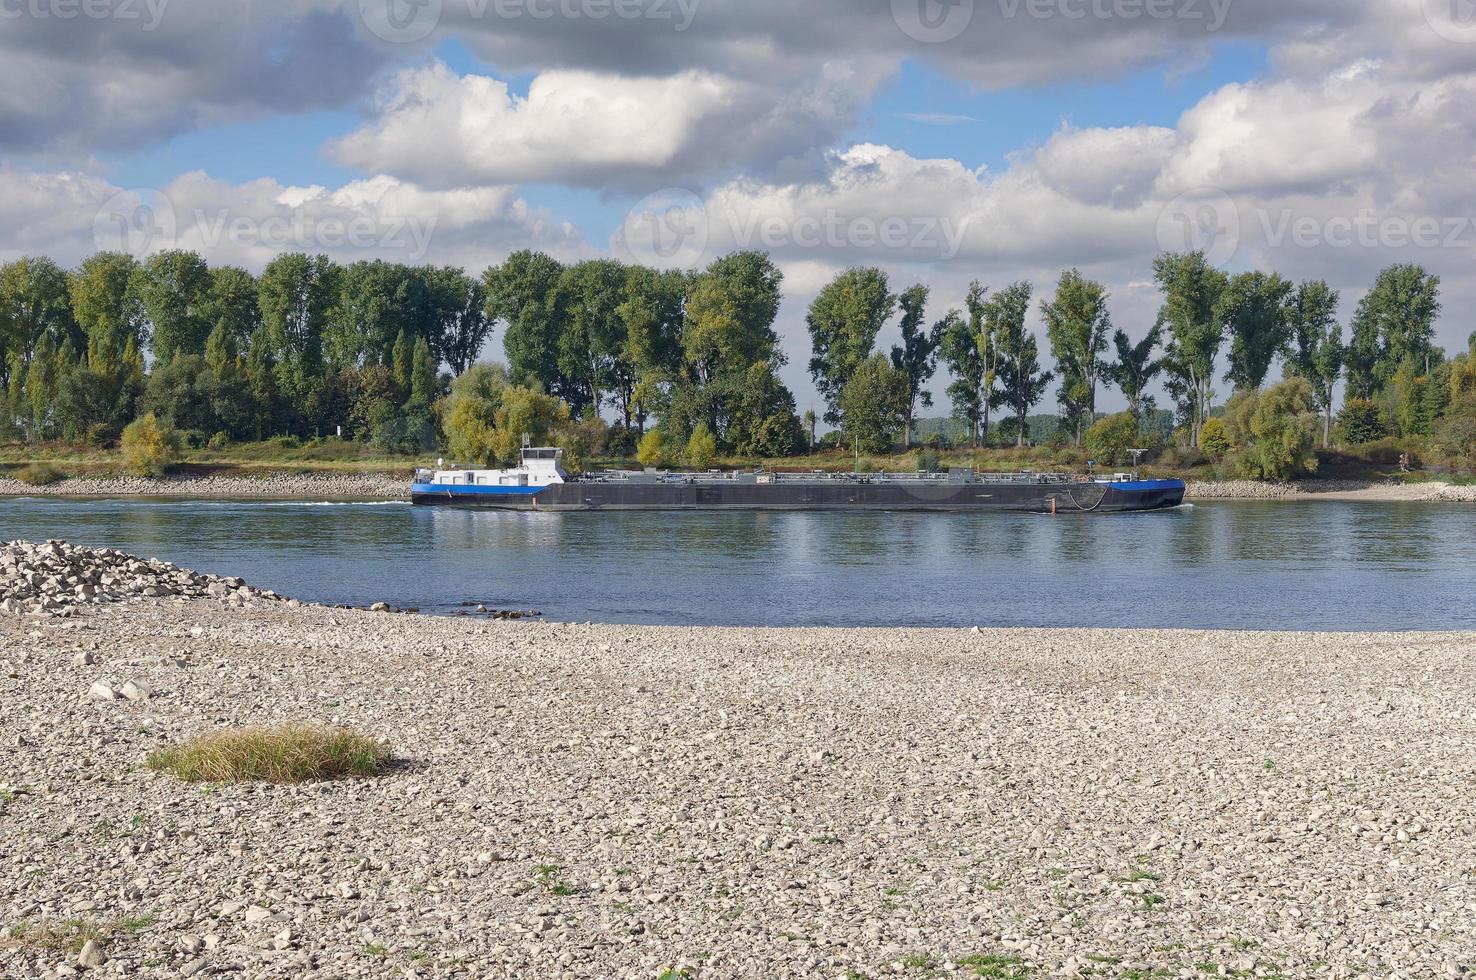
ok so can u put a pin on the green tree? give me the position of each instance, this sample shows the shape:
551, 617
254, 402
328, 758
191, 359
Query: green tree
651, 312
1109, 439
296, 292
917, 358
701, 447
1215, 439
1395, 322
149, 448
523, 294
459, 311
984, 327
486, 418
873, 406
1253, 310
591, 344
1022, 382
425, 381
374, 304
107, 307
174, 288
1191, 289
35, 306
233, 305
810, 421
1317, 352
1135, 368
843, 321
1359, 422
959, 349
764, 422
1276, 430
1077, 326
221, 352
730, 317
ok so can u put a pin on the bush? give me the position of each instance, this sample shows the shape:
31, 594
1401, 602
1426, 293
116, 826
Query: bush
651, 452
1359, 422
1276, 431
1214, 440
39, 475
928, 462
284, 754
149, 448
701, 448
219, 441
1110, 439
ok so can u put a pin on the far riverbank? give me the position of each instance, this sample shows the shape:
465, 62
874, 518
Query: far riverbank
365, 485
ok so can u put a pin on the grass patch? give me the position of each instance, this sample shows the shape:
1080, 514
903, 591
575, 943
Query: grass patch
282, 754
39, 475
69, 935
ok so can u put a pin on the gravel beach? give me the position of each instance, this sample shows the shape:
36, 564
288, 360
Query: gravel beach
598, 801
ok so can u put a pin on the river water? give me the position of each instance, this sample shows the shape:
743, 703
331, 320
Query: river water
1255, 565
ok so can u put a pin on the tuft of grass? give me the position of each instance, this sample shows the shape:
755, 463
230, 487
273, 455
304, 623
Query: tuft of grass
39, 475
283, 754
69, 935
1000, 967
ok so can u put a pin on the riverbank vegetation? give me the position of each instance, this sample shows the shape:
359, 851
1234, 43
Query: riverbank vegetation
373, 365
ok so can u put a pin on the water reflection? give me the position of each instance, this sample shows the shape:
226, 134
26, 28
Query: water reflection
1241, 565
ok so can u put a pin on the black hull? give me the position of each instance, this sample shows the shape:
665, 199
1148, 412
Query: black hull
1038, 498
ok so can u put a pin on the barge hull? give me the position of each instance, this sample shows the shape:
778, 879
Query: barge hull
1061, 498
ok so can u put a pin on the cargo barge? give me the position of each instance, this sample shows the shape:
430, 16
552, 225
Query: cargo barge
539, 483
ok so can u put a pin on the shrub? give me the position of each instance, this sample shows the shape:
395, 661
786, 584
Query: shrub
701, 447
39, 475
1359, 422
928, 462
283, 754
1110, 439
651, 452
219, 441
149, 448
1277, 430
1455, 435
1214, 440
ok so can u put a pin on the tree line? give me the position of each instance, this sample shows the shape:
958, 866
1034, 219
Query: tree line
386, 353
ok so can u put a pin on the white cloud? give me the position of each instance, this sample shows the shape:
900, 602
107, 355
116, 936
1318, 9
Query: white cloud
592, 129
69, 216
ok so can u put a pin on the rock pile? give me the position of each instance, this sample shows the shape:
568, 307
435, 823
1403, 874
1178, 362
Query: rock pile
56, 579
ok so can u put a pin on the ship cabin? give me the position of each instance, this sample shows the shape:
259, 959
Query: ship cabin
537, 468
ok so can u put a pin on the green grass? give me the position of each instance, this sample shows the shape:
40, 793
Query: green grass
283, 754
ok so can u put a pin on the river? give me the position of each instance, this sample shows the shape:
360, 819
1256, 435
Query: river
1221, 565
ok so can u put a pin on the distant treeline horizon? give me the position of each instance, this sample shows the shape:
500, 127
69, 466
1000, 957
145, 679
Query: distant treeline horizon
374, 348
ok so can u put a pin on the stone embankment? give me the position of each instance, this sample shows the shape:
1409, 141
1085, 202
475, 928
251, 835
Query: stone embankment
281, 486
638, 802
58, 579
1333, 490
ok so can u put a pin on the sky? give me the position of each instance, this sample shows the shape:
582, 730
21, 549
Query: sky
945, 141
